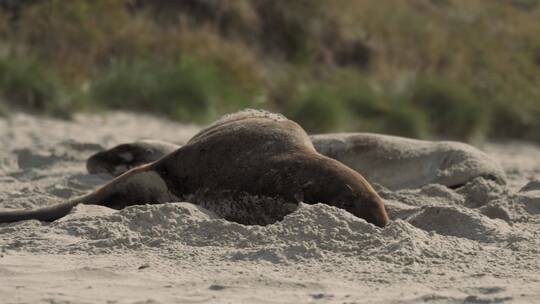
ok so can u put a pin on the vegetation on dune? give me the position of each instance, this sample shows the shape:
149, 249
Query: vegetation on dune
29, 86
189, 89
422, 68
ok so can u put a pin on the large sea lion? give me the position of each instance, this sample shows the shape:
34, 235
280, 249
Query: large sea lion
249, 152
391, 161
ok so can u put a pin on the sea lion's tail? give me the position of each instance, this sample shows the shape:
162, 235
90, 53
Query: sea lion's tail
46, 214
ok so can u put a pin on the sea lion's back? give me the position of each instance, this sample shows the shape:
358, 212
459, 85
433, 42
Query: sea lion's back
254, 130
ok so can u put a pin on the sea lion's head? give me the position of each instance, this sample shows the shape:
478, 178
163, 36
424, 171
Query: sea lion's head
124, 157
325, 180
370, 207
358, 198
115, 160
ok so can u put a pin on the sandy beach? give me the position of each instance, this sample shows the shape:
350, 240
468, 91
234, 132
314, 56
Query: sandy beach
479, 243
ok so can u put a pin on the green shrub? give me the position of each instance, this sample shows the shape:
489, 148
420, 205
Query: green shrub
318, 110
185, 90
347, 102
378, 110
518, 122
29, 86
3, 110
385, 115
391, 116
451, 109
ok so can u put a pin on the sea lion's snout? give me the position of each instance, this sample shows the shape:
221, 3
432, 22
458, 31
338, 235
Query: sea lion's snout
97, 164
375, 213
114, 161
327, 180
366, 203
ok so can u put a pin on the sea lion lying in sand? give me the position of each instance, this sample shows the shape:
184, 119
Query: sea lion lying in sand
249, 152
397, 162
391, 161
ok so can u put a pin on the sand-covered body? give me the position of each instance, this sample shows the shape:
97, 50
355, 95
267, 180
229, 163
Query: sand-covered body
475, 244
398, 163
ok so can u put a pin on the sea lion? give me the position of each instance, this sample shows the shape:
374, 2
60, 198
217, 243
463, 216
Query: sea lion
249, 152
391, 161
397, 162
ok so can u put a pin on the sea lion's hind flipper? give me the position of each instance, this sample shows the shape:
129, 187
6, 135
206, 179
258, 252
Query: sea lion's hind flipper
46, 214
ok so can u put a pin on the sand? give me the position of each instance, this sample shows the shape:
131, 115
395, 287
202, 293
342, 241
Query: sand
476, 244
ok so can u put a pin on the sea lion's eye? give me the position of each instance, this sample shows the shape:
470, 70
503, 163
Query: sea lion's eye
164, 172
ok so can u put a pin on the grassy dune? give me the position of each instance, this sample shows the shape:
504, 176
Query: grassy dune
441, 68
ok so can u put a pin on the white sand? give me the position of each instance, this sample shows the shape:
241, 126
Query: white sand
477, 244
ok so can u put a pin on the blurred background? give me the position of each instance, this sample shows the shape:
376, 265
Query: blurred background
455, 69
